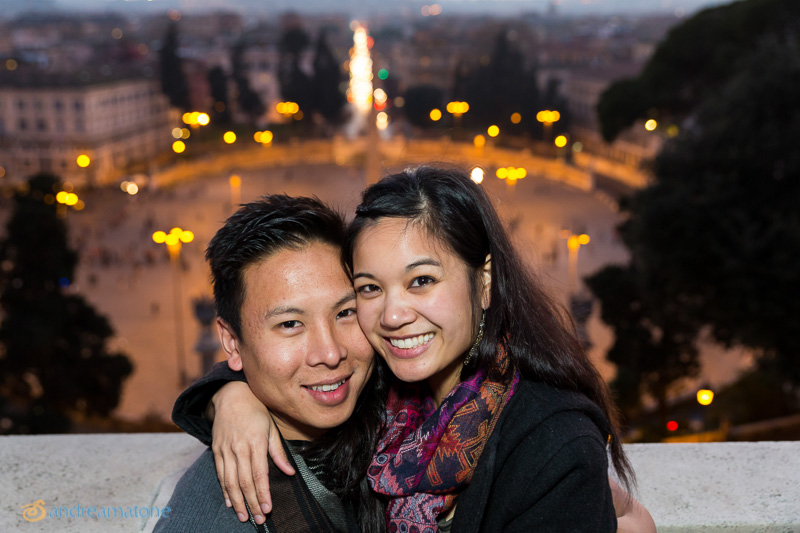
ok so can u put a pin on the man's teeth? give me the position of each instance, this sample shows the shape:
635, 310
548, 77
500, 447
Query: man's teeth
411, 342
327, 388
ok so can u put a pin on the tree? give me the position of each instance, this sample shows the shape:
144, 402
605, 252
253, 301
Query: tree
218, 83
653, 346
54, 363
720, 226
294, 81
249, 101
420, 100
173, 80
695, 59
327, 97
503, 86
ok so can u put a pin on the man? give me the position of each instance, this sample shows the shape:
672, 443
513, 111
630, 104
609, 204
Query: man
286, 317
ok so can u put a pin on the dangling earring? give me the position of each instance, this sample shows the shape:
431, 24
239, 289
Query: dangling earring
473, 352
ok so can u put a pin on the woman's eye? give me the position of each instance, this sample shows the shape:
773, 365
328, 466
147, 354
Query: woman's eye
290, 324
367, 289
344, 313
421, 281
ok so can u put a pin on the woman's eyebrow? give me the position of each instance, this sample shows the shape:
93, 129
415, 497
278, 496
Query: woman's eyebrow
421, 262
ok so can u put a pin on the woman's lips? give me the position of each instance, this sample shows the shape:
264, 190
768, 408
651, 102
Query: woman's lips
408, 353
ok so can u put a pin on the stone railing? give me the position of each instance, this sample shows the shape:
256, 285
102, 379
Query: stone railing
117, 482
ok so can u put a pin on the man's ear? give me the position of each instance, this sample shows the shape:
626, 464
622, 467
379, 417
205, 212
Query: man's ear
486, 279
230, 343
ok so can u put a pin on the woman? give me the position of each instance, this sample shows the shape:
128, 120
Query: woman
498, 421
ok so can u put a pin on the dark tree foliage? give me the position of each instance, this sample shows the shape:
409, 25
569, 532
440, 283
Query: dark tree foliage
720, 228
420, 100
173, 80
249, 101
496, 90
653, 345
295, 83
327, 95
54, 363
218, 83
694, 61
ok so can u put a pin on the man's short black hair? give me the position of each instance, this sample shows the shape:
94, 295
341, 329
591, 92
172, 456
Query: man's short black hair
257, 230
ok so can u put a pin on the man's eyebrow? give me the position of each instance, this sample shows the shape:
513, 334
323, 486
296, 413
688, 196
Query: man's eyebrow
350, 296
284, 310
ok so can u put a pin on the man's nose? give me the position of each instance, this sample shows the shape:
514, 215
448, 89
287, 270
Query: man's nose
326, 348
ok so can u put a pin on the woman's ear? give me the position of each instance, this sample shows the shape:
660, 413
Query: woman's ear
230, 343
486, 279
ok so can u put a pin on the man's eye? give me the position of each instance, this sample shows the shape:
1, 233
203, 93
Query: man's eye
344, 313
290, 324
421, 281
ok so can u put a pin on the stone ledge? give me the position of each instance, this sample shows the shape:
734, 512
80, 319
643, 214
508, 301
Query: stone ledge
714, 487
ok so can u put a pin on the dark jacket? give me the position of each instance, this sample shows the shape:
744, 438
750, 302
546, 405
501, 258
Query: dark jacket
544, 468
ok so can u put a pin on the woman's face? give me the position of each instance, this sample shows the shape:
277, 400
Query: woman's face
414, 305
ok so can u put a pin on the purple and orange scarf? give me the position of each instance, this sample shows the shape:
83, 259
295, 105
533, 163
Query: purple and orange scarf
427, 456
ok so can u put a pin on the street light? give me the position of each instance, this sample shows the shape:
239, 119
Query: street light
574, 243
547, 118
510, 175
174, 239
705, 396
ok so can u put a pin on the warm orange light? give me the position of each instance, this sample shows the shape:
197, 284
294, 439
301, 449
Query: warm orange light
235, 181
493, 131
583, 239
229, 137
560, 141
516, 118
266, 137
548, 117
159, 237
479, 141
83, 161
178, 147
435, 114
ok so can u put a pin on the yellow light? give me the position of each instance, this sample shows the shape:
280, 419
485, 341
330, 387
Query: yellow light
61, 197
83, 161
705, 397
451, 107
203, 119
235, 181
132, 188
555, 115
186, 236
435, 114
229, 137
479, 141
502, 173
194, 118
573, 243
159, 237
178, 147
266, 137
476, 175
583, 239
172, 239
187, 118
257, 136
516, 118
124, 186
280, 107
673, 130
71, 199
560, 141
493, 131
650, 125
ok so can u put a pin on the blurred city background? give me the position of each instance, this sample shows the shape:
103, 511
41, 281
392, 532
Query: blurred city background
642, 153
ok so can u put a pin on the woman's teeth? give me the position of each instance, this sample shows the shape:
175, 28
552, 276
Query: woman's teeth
411, 342
327, 388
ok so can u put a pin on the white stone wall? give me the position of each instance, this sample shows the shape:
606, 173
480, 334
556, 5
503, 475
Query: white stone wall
720, 487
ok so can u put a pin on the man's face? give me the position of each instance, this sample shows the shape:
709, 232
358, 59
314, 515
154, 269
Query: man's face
301, 348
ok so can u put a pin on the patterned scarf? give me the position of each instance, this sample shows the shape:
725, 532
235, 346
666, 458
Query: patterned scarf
426, 455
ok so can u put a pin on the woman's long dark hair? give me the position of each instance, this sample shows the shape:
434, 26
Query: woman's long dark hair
540, 338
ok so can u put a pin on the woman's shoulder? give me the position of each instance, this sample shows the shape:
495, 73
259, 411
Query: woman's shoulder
537, 406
